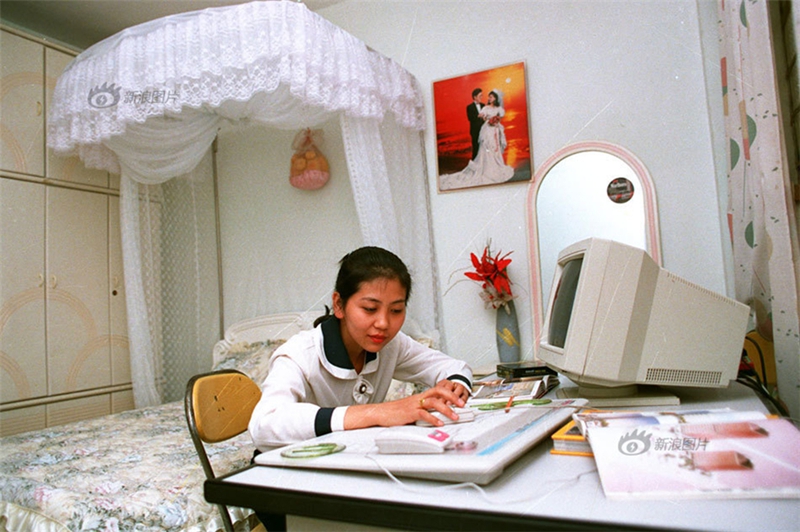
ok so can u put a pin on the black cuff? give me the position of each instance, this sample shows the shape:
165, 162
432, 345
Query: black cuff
322, 423
461, 379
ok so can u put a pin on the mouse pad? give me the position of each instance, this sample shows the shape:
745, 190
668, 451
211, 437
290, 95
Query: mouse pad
481, 448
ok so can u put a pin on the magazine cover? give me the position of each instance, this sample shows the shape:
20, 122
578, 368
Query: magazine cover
589, 419
737, 459
526, 388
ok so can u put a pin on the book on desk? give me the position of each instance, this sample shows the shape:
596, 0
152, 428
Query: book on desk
569, 441
725, 454
521, 389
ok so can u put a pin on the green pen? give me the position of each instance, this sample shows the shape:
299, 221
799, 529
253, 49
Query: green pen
501, 405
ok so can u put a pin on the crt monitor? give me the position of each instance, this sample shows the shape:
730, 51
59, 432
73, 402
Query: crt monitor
620, 326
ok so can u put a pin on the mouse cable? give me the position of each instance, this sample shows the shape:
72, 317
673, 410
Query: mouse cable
488, 498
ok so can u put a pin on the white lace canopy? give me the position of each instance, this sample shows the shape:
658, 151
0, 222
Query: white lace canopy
147, 104
175, 79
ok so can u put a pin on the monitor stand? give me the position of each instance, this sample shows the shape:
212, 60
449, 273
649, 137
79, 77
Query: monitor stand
618, 397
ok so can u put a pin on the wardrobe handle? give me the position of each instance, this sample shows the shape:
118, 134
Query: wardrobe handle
41, 280
38, 108
53, 281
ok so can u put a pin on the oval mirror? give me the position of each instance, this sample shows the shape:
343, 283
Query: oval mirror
584, 190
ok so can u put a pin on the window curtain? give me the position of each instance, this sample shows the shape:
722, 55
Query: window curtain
760, 212
147, 104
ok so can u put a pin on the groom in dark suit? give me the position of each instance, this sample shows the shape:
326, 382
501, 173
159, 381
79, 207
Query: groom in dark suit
475, 122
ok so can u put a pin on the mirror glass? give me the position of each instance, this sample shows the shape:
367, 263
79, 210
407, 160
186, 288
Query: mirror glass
587, 189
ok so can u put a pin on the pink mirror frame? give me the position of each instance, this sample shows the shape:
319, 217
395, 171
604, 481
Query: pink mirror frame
650, 211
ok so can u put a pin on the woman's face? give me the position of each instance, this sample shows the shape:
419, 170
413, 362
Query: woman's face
492, 99
372, 316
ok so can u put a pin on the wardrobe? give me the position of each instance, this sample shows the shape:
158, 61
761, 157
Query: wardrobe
63, 335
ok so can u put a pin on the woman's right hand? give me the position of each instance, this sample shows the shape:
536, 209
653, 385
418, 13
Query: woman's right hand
405, 411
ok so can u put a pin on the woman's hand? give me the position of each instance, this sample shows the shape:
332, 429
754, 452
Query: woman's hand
409, 409
457, 388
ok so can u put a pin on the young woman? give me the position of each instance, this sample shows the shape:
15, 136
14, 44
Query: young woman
335, 376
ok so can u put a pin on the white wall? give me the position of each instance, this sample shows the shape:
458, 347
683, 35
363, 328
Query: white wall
280, 245
628, 72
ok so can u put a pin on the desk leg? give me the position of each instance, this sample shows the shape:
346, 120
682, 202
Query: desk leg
272, 522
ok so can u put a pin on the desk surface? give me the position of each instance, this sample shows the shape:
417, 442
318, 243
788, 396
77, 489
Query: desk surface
557, 492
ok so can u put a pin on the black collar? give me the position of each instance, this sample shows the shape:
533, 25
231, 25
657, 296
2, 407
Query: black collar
332, 343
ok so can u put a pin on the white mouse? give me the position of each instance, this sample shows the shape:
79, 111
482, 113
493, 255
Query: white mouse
412, 440
464, 414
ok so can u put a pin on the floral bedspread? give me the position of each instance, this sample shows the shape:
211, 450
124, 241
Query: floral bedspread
137, 470
133, 471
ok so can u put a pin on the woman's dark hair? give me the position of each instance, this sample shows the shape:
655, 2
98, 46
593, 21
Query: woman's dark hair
496, 97
364, 265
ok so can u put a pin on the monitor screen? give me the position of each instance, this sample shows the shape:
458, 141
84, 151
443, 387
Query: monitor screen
619, 325
563, 299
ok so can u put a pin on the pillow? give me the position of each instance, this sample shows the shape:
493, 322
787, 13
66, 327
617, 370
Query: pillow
252, 359
399, 390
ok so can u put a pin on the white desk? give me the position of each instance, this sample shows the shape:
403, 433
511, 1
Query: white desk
540, 489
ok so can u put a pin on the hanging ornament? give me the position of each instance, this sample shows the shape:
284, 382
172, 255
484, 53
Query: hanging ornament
310, 169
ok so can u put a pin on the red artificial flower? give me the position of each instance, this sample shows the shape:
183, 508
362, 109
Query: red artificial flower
491, 272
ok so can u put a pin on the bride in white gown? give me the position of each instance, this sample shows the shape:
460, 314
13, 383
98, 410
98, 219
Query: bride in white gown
489, 166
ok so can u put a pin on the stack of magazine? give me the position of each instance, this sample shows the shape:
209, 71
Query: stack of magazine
569, 440
693, 454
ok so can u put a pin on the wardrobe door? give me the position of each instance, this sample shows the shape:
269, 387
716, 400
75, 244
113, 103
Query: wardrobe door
23, 370
77, 290
69, 169
21, 105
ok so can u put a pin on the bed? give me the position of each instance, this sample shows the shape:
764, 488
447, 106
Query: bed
136, 470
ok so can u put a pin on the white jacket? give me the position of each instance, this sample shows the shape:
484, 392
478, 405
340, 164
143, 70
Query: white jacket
308, 390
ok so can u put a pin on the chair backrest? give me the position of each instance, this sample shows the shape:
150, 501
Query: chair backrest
218, 407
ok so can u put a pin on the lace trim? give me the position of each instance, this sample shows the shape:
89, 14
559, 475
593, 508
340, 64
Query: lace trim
229, 61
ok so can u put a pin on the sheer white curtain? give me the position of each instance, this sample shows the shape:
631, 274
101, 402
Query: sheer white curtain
171, 280
760, 212
391, 196
147, 103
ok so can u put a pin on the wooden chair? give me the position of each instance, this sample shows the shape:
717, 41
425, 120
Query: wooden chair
218, 407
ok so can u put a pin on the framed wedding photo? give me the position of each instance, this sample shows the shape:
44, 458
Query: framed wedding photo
482, 128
